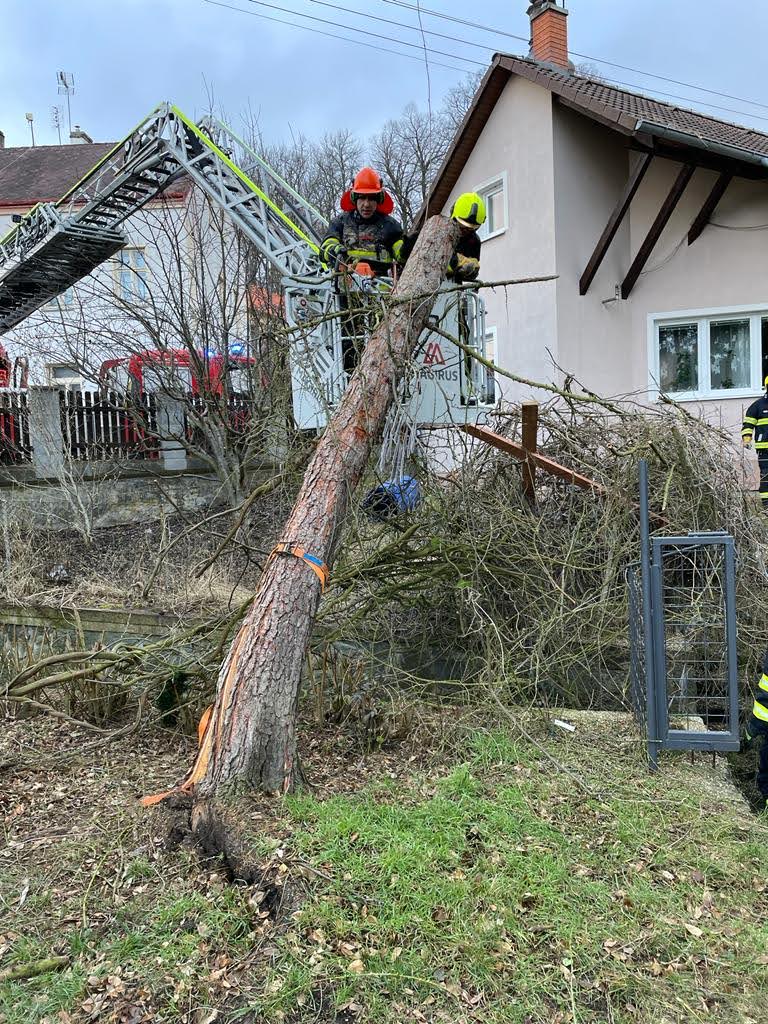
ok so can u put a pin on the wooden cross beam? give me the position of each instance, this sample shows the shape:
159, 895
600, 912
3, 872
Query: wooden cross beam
614, 222
539, 461
655, 230
710, 203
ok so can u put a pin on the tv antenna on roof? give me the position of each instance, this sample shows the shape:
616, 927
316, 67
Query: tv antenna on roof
56, 112
66, 82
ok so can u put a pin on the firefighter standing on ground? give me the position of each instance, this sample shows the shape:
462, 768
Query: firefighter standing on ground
364, 235
755, 428
757, 729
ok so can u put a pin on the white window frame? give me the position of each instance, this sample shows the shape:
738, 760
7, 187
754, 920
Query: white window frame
703, 318
487, 188
72, 380
492, 336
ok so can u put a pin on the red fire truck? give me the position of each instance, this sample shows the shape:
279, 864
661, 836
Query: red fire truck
175, 368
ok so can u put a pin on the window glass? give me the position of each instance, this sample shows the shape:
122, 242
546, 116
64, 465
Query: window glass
679, 357
489, 377
729, 354
63, 299
64, 373
132, 274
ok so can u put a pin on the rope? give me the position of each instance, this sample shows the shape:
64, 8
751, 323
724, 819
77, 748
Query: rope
400, 437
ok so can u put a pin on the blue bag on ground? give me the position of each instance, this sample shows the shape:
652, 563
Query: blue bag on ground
392, 497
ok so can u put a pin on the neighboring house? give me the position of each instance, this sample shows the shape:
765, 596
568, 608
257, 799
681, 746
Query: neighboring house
654, 218
169, 282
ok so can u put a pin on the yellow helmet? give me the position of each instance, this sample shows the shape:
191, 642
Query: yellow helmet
469, 210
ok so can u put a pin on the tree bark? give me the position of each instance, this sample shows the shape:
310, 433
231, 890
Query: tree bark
250, 739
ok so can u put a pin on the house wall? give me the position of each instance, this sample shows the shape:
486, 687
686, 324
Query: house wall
517, 140
605, 343
722, 269
591, 166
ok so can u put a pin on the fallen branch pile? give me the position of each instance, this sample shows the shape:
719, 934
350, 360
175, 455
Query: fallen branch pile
534, 600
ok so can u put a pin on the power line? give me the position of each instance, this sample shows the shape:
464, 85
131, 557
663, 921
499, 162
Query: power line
482, 46
441, 53
331, 35
362, 31
368, 16
426, 62
585, 56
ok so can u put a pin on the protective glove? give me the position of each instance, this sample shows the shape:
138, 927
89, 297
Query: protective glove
746, 442
464, 268
336, 255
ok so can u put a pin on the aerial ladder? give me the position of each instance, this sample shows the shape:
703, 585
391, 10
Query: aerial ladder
54, 245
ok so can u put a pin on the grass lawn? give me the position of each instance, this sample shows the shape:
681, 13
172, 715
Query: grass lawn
526, 878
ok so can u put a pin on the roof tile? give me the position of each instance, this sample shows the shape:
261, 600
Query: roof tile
34, 174
622, 106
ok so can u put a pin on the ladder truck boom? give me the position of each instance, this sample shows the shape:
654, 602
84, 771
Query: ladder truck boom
56, 244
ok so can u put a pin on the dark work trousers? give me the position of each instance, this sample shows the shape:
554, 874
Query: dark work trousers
762, 461
360, 315
762, 769
353, 324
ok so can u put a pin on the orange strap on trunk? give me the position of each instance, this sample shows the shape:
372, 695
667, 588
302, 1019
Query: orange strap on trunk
317, 565
208, 734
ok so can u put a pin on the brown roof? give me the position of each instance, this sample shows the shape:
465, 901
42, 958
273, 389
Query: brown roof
648, 123
34, 174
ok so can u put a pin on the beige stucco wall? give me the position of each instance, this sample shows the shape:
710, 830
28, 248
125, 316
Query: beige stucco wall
517, 140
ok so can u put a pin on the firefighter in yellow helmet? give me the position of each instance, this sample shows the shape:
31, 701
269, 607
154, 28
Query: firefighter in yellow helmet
755, 430
469, 213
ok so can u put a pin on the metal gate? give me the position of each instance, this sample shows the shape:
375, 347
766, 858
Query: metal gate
682, 627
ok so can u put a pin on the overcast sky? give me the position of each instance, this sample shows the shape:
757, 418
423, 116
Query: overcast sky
128, 55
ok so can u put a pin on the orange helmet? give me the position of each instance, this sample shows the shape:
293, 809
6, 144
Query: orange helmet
367, 183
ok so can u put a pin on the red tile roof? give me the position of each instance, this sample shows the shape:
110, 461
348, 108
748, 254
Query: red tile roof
648, 123
34, 174
625, 108
43, 174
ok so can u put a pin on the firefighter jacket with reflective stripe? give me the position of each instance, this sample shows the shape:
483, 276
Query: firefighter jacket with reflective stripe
756, 422
759, 723
377, 241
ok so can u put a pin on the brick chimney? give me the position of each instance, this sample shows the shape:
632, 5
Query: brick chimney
549, 33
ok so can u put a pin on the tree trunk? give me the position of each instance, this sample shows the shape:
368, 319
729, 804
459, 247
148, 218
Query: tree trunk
250, 740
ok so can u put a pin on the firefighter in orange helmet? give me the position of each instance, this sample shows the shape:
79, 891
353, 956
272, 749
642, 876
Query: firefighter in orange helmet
364, 232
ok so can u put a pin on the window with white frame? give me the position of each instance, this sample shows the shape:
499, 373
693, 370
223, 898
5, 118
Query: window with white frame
131, 274
64, 375
489, 377
494, 194
709, 353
